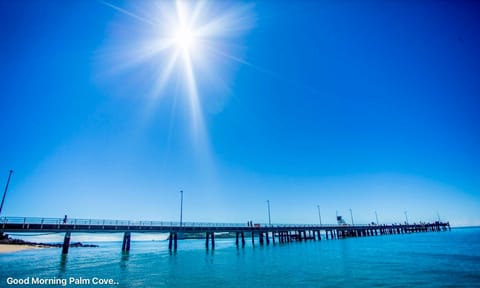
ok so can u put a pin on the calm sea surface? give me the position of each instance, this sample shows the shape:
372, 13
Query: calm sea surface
435, 259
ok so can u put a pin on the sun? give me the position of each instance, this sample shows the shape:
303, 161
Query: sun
184, 38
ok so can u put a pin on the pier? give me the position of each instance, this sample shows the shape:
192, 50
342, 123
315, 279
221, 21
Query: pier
260, 234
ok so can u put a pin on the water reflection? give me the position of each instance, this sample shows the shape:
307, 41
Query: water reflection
63, 265
124, 259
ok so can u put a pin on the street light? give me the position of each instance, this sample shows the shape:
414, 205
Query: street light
5, 192
406, 217
319, 215
376, 217
181, 207
351, 215
269, 220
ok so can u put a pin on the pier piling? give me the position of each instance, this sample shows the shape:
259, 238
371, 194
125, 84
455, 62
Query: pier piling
210, 236
126, 242
170, 238
66, 242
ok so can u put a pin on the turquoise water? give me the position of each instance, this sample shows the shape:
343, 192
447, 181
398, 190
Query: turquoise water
436, 259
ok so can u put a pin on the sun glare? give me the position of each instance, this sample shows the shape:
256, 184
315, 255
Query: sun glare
185, 43
184, 38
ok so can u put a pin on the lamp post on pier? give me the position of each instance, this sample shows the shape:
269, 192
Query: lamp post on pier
376, 217
181, 207
6, 189
319, 215
269, 220
351, 215
406, 217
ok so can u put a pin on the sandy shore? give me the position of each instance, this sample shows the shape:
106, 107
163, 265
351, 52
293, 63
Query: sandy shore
10, 248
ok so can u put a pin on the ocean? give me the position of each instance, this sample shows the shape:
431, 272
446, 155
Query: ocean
433, 259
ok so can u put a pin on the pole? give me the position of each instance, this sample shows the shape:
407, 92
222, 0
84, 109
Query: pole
376, 217
406, 217
6, 189
351, 215
181, 207
438, 216
269, 220
319, 215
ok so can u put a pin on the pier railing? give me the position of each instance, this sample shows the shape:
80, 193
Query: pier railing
104, 222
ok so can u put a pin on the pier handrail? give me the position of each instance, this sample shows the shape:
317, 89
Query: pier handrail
109, 222
94, 222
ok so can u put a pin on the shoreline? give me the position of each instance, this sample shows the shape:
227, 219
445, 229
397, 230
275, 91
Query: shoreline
12, 248
11, 245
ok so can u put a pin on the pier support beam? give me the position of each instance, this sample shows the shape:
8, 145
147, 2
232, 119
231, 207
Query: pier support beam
210, 236
66, 242
126, 242
243, 239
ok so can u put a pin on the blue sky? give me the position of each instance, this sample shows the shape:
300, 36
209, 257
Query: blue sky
367, 105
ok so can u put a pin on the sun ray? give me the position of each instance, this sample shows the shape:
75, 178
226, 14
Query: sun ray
227, 24
126, 12
197, 117
165, 75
